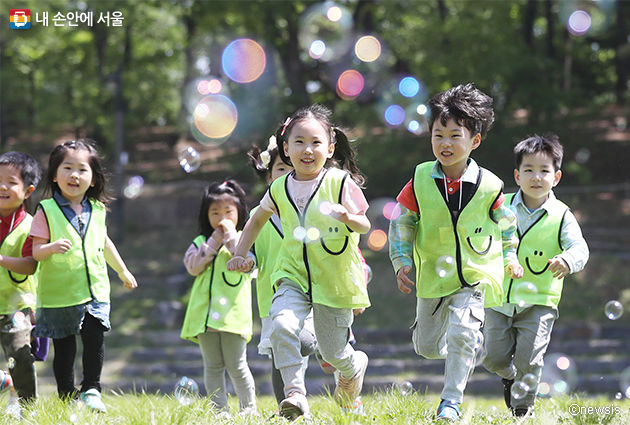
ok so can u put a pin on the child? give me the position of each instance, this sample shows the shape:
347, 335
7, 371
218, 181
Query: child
219, 313
322, 211
269, 166
71, 244
450, 210
551, 246
19, 176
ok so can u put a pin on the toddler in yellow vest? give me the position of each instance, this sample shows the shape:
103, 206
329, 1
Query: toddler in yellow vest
454, 226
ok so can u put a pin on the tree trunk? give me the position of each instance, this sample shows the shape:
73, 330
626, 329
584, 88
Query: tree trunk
622, 54
551, 51
528, 25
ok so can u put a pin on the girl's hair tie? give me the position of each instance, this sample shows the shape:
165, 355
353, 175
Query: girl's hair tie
265, 156
284, 126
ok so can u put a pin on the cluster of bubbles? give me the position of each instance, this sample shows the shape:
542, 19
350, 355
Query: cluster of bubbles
521, 388
613, 310
402, 103
559, 375
186, 391
445, 266
583, 17
134, 187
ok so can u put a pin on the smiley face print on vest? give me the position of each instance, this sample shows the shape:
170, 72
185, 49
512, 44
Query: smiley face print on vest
479, 242
332, 241
537, 261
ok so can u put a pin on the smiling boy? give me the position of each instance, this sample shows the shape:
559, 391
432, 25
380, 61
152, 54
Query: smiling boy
450, 210
551, 246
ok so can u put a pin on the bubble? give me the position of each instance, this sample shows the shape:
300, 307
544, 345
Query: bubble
409, 87
186, 390
445, 266
391, 210
621, 123
394, 115
215, 315
28, 298
377, 240
18, 318
587, 17
73, 417
197, 89
524, 293
299, 233
223, 301
134, 187
325, 208
10, 363
559, 375
579, 22
417, 118
313, 234
618, 396
325, 30
624, 382
215, 117
582, 155
519, 390
189, 159
405, 388
367, 48
530, 380
613, 309
350, 84
243, 60
368, 272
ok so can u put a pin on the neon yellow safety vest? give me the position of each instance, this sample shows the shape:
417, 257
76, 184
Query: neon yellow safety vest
16, 291
79, 275
219, 299
320, 253
540, 243
472, 239
266, 248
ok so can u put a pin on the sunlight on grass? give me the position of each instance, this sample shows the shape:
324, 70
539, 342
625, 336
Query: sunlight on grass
382, 407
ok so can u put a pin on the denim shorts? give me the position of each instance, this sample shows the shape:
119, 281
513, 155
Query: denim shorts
61, 322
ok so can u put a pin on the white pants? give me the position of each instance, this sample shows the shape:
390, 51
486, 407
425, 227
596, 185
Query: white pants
289, 308
449, 328
515, 345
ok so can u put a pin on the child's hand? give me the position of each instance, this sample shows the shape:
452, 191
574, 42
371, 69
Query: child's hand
227, 225
514, 270
558, 267
403, 281
218, 233
240, 264
357, 311
339, 212
60, 246
128, 279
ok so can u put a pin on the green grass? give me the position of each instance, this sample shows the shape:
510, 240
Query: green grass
386, 407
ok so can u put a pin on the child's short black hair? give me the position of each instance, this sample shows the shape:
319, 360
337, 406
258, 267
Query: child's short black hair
29, 168
212, 194
548, 144
467, 105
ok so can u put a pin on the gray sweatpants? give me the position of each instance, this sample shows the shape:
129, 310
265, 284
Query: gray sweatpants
449, 328
515, 345
223, 351
289, 308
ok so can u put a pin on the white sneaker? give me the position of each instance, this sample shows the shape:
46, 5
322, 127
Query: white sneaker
13, 408
348, 389
294, 406
355, 409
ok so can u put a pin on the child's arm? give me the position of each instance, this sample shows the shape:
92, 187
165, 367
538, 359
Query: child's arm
115, 261
356, 222
575, 254
43, 250
401, 236
504, 215
24, 266
240, 261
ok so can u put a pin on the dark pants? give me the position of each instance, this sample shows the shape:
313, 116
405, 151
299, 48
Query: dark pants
15, 336
93, 339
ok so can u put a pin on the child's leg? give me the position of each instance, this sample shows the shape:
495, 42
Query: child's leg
332, 330
429, 328
534, 326
16, 342
213, 367
289, 308
500, 340
63, 365
235, 358
93, 338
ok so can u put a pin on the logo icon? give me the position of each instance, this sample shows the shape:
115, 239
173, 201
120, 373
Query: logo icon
20, 19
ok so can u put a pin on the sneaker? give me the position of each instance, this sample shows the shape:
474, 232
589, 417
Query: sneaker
248, 411
294, 406
6, 382
507, 391
348, 389
224, 415
13, 408
92, 399
448, 411
519, 412
355, 409
326, 367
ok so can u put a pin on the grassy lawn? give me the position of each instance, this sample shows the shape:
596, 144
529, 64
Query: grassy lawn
387, 407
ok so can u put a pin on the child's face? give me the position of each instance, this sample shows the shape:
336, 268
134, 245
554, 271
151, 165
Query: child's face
452, 144
308, 147
74, 175
13, 191
536, 176
221, 209
279, 169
